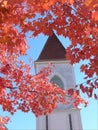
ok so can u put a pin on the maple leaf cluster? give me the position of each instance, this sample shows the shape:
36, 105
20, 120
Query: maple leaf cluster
18, 88
3, 120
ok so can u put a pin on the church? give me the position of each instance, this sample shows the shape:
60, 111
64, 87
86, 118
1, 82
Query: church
64, 117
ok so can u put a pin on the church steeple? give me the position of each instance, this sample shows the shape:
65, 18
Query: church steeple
53, 50
64, 117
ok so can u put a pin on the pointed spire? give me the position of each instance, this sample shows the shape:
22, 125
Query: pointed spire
53, 50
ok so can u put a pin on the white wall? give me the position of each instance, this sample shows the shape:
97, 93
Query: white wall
62, 68
59, 120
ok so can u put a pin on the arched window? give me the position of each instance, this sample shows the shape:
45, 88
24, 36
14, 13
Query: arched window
57, 81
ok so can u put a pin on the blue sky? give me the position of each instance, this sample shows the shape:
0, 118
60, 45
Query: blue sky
27, 121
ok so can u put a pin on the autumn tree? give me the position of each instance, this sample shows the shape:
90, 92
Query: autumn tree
77, 20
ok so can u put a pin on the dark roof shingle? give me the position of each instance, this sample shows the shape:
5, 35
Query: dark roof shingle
53, 49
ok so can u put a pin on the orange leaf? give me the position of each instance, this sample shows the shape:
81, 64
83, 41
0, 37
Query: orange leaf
95, 15
88, 2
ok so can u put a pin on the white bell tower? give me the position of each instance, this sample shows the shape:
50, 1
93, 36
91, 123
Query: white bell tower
64, 117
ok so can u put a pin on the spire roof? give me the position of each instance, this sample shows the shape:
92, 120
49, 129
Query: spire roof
53, 50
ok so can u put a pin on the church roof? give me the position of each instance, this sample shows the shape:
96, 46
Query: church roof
53, 50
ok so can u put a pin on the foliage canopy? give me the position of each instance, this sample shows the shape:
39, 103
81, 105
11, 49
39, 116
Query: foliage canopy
77, 20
